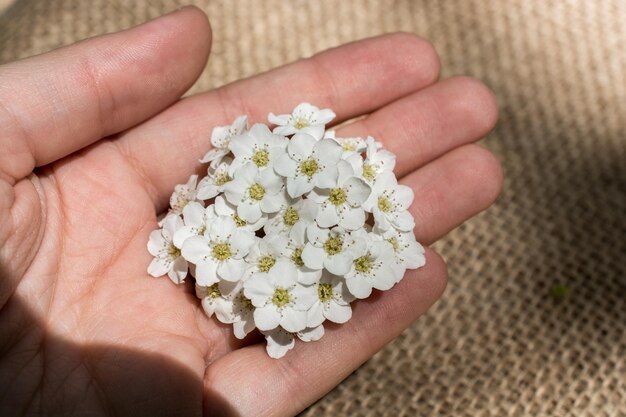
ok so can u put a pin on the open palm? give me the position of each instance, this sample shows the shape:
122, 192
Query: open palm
94, 138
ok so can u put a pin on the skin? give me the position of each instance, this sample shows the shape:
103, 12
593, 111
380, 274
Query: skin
94, 138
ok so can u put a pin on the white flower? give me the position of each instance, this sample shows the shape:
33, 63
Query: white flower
331, 249
409, 254
305, 118
279, 299
167, 257
214, 182
224, 208
280, 341
219, 252
350, 146
258, 146
372, 267
244, 315
264, 254
341, 204
291, 247
183, 194
376, 161
309, 163
254, 192
220, 139
333, 302
389, 202
197, 219
215, 302
291, 213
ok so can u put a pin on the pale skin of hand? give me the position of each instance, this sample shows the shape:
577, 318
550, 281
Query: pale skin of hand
94, 138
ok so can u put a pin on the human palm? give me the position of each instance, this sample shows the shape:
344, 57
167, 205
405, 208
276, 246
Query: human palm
95, 138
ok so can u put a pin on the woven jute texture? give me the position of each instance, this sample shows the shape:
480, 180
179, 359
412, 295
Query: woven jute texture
499, 342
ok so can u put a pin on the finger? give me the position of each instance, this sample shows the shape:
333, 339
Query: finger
451, 189
353, 79
56, 103
286, 386
425, 125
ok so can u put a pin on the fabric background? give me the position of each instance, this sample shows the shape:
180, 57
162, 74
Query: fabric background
499, 342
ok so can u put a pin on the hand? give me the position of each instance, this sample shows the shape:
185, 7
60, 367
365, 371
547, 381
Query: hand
94, 138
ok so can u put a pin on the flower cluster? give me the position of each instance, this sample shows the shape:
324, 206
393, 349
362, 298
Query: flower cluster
288, 227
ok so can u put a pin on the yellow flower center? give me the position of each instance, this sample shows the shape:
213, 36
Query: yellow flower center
281, 297
173, 251
384, 204
296, 257
221, 251
301, 123
333, 245
266, 263
291, 216
239, 221
325, 292
394, 242
363, 264
256, 192
222, 179
214, 291
261, 158
337, 196
246, 304
348, 145
369, 172
309, 167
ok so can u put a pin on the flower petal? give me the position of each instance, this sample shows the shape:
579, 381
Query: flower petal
301, 146
195, 248
316, 131
384, 277
313, 257
326, 178
285, 166
360, 287
358, 191
241, 242
159, 267
403, 196
328, 151
338, 313
206, 273
272, 203
156, 242
258, 289
232, 269
327, 216
324, 116
292, 320
311, 334
284, 273
279, 342
305, 296
267, 317
315, 315
178, 273
249, 211
403, 221
298, 185
352, 218
338, 264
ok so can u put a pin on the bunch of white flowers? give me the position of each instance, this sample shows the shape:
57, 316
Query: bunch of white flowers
288, 228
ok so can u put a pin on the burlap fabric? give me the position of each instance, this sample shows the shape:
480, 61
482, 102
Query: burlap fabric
499, 342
